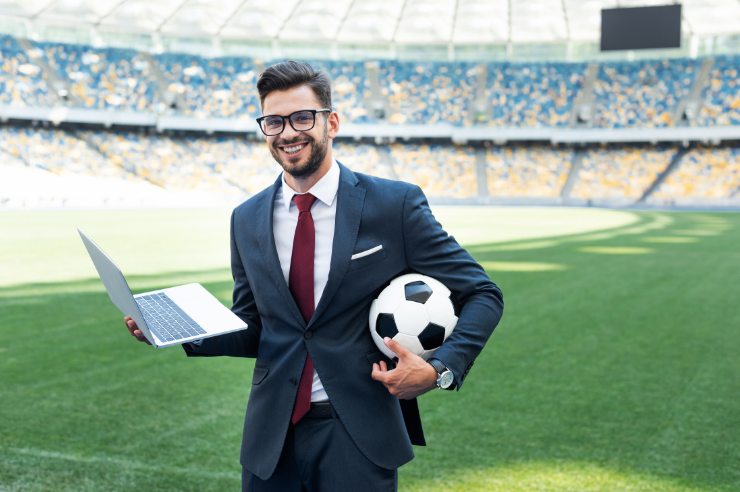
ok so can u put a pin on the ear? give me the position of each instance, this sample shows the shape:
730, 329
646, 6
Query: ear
332, 124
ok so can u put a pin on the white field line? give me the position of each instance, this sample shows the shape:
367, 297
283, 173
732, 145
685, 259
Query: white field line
187, 428
111, 460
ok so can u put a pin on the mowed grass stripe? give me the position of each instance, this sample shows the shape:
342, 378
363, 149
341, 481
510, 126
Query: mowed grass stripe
616, 373
43, 454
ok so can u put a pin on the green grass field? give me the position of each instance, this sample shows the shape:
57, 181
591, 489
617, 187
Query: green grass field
616, 366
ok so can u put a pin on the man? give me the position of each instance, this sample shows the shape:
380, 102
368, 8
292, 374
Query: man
326, 410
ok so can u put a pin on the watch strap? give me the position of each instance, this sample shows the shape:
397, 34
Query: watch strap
437, 365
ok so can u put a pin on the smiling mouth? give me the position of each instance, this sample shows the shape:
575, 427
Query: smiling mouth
293, 148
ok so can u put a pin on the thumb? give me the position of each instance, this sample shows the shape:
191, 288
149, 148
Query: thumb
401, 351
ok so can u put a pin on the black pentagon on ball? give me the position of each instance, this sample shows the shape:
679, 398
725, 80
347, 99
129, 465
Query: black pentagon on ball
417, 291
385, 325
432, 336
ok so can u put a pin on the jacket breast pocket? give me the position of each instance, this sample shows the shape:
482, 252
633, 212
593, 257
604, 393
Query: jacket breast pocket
260, 372
372, 256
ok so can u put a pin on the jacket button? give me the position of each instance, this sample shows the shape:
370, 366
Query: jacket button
308, 334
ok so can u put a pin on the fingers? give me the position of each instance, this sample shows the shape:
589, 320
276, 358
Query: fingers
130, 324
411, 376
134, 330
396, 347
132, 327
380, 372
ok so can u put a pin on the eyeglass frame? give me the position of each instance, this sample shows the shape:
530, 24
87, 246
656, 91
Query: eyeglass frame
290, 121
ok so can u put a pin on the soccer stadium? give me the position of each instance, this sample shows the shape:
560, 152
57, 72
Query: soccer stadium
599, 188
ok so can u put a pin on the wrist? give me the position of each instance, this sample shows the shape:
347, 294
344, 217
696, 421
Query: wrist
444, 378
431, 376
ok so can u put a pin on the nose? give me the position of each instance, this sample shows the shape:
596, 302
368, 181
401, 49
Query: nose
288, 131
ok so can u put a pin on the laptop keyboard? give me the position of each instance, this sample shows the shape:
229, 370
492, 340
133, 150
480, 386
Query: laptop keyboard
165, 319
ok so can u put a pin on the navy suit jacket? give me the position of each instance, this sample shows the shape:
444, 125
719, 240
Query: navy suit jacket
370, 212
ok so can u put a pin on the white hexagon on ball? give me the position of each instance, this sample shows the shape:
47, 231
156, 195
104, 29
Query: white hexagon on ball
411, 318
409, 342
440, 310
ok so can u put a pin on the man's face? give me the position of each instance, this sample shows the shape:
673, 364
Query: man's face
299, 153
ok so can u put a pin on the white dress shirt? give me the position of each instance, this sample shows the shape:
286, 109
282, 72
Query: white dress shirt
285, 220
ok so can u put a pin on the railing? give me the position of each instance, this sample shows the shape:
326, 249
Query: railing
385, 132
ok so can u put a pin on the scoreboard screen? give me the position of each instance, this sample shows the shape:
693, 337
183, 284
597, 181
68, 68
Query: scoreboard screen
641, 28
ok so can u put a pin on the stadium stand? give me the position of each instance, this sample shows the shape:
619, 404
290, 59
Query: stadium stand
444, 171
110, 78
521, 95
427, 93
226, 169
246, 165
21, 80
365, 158
705, 175
534, 94
43, 168
641, 94
163, 161
218, 168
56, 151
217, 87
619, 174
349, 89
722, 95
527, 171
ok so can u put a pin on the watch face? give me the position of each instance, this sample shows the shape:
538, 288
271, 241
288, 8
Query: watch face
446, 379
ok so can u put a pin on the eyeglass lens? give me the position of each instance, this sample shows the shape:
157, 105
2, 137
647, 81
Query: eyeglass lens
300, 121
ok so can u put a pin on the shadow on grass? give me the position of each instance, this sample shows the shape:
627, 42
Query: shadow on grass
646, 222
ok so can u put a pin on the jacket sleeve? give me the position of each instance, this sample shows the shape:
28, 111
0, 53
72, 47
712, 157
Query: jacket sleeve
479, 302
243, 343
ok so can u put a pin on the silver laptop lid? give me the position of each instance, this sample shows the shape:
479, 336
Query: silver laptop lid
115, 283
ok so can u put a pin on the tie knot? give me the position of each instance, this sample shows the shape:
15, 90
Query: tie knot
304, 202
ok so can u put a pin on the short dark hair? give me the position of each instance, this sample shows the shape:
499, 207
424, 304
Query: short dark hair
290, 74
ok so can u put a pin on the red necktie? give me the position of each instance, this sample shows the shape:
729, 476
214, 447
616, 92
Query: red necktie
300, 281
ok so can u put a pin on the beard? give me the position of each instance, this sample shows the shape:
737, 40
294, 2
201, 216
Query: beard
315, 158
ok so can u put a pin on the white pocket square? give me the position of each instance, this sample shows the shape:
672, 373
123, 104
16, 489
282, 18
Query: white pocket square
367, 252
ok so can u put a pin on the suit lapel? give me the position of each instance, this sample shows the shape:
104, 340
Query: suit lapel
266, 238
350, 200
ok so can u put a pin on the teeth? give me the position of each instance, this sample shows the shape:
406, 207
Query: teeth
291, 150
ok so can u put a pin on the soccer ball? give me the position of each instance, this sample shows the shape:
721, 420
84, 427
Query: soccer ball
414, 310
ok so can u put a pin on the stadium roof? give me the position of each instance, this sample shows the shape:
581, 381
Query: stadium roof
361, 21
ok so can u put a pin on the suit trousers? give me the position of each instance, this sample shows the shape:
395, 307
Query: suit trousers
319, 456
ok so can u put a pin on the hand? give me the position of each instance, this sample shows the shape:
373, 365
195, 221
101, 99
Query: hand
134, 330
412, 376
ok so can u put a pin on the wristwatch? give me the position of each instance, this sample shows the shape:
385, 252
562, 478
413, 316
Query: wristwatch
445, 378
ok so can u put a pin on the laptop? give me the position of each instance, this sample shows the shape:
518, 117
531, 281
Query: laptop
166, 317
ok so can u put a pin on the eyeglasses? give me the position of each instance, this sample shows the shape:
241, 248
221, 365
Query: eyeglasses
301, 121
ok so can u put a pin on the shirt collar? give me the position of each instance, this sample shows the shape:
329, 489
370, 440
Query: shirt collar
325, 189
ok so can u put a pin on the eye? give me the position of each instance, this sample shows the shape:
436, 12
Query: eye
303, 117
273, 122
